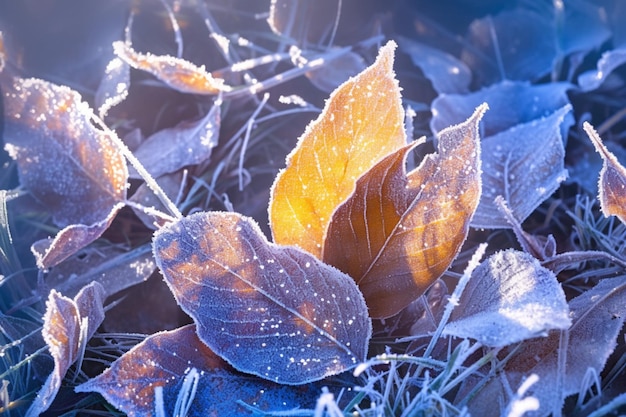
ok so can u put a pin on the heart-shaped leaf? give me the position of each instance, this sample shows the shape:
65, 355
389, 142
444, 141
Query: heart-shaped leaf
177, 73
276, 312
361, 123
68, 325
164, 360
524, 165
612, 183
74, 169
509, 298
398, 233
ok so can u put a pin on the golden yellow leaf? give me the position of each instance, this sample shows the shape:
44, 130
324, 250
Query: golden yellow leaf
361, 123
398, 233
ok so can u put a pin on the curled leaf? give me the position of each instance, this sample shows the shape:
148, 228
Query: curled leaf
113, 88
398, 233
177, 73
509, 298
612, 182
276, 312
68, 325
361, 123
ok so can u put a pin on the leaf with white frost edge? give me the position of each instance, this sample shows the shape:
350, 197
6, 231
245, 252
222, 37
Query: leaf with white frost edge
509, 298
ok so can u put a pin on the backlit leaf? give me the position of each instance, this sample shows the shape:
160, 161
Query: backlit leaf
398, 233
612, 183
524, 165
597, 317
113, 88
276, 312
68, 325
52, 251
74, 169
509, 298
164, 359
177, 73
189, 143
361, 123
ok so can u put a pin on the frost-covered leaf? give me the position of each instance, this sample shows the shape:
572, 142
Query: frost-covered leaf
591, 80
50, 252
511, 103
164, 360
177, 73
171, 186
361, 123
509, 298
276, 312
597, 317
114, 268
612, 183
447, 73
113, 88
399, 232
68, 325
74, 169
189, 143
524, 165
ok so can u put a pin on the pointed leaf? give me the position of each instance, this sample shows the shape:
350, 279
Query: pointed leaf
189, 143
113, 88
50, 252
276, 312
509, 298
74, 169
68, 325
597, 317
361, 123
397, 234
612, 183
165, 359
177, 73
525, 165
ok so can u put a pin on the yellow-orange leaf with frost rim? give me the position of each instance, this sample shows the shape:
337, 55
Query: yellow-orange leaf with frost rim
362, 122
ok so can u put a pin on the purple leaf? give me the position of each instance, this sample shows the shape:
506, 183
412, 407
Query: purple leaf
189, 143
276, 312
74, 169
68, 325
164, 359
509, 298
113, 88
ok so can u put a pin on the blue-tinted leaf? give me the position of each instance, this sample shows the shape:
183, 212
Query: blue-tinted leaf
610, 60
511, 103
113, 88
515, 44
509, 298
68, 325
164, 359
579, 14
524, 165
447, 73
50, 252
276, 312
189, 143
74, 169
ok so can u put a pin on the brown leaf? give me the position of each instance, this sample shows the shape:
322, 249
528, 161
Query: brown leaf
612, 183
177, 73
362, 122
398, 233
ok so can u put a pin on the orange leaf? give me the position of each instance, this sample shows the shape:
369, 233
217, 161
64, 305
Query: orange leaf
398, 233
178, 73
612, 184
362, 122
